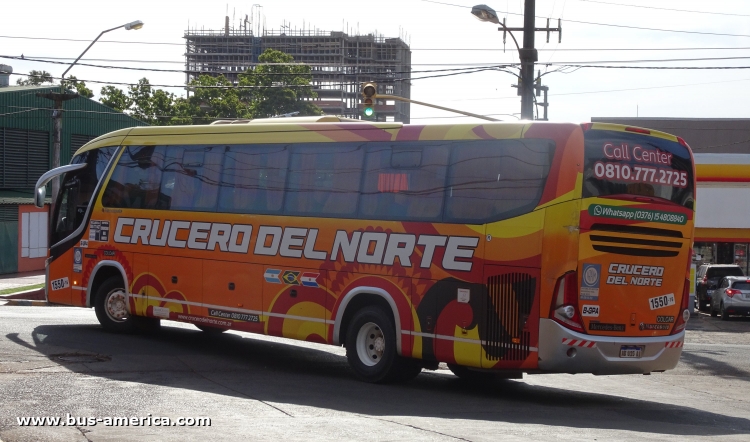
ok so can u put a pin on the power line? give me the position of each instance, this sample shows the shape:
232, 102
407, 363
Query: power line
667, 9
182, 71
641, 28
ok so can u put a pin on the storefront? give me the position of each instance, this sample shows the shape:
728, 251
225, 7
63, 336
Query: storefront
722, 220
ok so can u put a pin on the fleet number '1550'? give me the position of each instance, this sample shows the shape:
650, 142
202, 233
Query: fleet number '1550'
661, 301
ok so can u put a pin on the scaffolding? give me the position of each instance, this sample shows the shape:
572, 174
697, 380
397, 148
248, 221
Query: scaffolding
339, 63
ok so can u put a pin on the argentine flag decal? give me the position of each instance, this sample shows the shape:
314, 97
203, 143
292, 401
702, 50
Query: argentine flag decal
309, 279
272, 276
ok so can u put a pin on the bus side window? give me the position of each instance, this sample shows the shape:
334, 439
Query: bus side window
135, 180
192, 178
253, 179
404, 181
324, 180
497, 179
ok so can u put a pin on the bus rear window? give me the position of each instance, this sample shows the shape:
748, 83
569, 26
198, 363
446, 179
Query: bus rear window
622, 163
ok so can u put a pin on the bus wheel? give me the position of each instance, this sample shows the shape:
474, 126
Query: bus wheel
371, 346
211, 330
111, 306
474, 376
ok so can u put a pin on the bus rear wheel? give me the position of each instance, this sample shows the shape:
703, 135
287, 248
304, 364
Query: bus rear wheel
111, 306
371, 348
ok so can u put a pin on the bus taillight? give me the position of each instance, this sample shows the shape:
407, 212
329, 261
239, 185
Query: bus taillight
565, 302
682, 320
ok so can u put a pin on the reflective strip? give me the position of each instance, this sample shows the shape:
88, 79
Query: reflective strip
239, 310
673, 344
578, 343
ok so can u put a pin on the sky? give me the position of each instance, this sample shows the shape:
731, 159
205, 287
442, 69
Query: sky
610, 34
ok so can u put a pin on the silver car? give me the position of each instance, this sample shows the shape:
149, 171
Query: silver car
731, 297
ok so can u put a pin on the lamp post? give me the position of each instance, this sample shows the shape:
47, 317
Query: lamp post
59, 98
527, 54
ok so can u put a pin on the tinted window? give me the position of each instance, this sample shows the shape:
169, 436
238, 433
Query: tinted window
76, 190
135, 181
720, 272
191, 177
741, 285
498, 179
324, 180
405, 181
253, 179
617, 163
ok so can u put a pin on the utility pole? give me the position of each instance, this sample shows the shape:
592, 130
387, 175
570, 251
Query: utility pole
528, 56
58, 99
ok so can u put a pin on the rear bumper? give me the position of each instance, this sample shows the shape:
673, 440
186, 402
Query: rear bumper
737, 306
601, 354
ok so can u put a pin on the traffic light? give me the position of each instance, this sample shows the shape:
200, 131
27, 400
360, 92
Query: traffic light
369, 90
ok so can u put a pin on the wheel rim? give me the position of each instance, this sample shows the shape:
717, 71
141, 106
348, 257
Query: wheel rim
115, 306
370, 344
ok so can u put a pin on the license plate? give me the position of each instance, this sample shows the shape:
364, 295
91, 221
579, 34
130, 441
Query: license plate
630, 351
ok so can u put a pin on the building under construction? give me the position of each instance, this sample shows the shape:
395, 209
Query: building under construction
339, 62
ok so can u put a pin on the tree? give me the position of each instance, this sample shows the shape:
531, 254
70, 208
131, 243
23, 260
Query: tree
274, 87
35, 78
115, 98
72, 83
282, 87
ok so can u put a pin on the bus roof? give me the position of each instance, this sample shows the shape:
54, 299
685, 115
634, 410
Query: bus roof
304, 125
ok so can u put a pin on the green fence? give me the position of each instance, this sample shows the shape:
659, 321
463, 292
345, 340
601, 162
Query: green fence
8, 247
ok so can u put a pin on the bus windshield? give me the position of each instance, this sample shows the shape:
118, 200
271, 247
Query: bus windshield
624, 163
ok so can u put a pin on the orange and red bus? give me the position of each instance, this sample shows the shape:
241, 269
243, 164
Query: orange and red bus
499, 248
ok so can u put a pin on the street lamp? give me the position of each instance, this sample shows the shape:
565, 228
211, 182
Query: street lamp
135, 25
59, 98
527, 54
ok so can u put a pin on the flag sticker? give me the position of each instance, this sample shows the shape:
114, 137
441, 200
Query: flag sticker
290, 277
272, 276
309, 279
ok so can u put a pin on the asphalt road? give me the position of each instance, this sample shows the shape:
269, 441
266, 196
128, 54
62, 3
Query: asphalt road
56, 361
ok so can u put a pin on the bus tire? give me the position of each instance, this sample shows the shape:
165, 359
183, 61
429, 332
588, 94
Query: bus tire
371, 346
211, 330
111, 306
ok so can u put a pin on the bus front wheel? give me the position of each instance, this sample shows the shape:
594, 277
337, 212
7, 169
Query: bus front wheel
111, 306
371, 348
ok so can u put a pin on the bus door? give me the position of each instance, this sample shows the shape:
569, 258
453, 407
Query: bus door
231, 292
67, 227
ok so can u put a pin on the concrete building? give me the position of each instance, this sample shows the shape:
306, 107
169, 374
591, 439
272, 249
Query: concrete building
340, 62
26, 141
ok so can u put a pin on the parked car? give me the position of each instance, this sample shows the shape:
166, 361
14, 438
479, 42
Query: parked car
708, 278
732, 297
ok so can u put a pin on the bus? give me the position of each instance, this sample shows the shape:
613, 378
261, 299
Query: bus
496, 248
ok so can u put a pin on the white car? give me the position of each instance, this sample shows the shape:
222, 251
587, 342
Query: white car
731, 297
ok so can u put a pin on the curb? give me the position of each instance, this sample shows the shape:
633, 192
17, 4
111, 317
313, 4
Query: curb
24, 303
33, 294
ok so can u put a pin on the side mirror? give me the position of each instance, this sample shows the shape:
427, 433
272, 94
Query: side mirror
41, 193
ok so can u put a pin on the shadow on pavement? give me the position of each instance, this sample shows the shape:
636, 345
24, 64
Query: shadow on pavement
280, 373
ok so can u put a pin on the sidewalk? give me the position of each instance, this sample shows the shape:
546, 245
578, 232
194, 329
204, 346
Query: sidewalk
16, 280
33, 296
